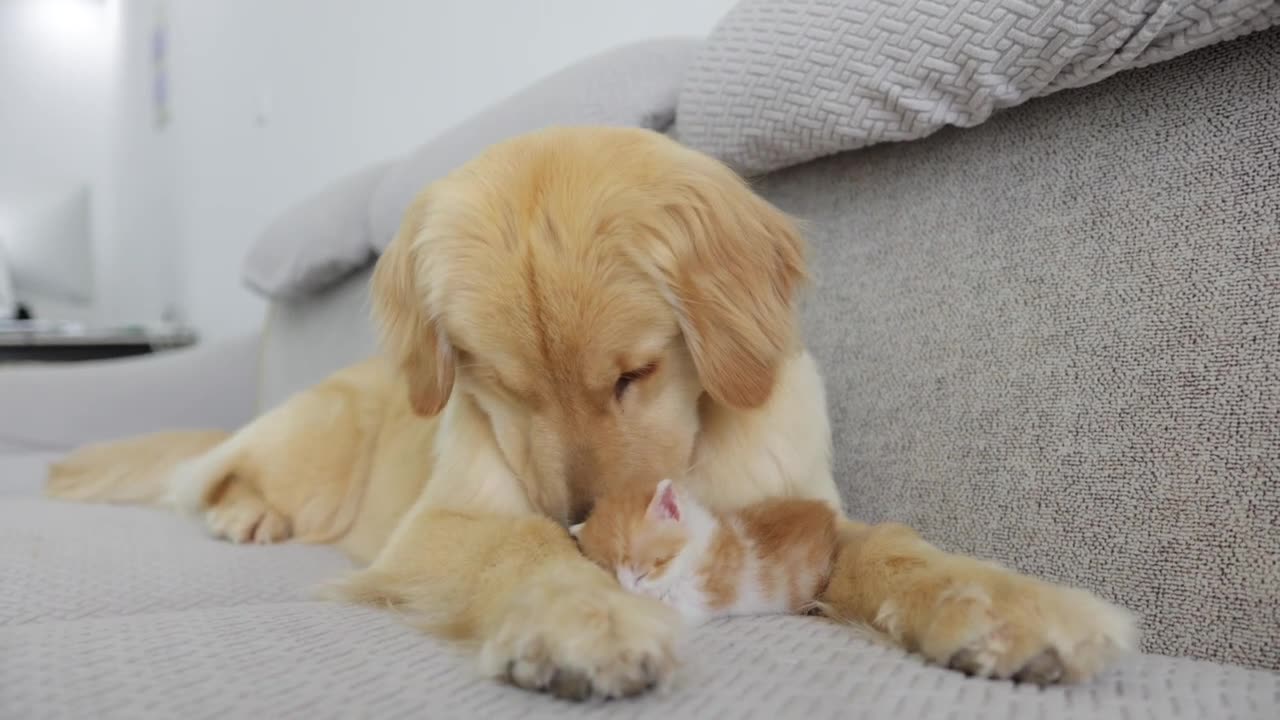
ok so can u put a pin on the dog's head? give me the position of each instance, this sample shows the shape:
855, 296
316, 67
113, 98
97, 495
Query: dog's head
591, 290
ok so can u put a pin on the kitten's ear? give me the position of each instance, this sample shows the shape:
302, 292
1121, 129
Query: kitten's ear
665, 504
576, 530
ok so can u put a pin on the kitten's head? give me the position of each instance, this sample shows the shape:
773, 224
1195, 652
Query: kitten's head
639, 536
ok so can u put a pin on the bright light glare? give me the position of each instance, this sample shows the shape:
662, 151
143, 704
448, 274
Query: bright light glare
70, 27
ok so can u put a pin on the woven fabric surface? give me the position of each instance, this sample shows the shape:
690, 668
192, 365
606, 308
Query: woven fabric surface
125, 612
1054, 340
316, 660
68, 561
781, 82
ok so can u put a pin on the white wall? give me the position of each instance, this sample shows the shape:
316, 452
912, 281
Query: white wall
75, 108
275, 98
141, 269
57, 70
271, 100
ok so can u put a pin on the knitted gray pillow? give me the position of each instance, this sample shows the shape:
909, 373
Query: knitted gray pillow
780, 82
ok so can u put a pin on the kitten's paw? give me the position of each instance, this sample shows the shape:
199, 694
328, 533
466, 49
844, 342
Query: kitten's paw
987, 621
583, 642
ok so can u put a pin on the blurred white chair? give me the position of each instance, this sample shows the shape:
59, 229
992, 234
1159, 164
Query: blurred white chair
45, 247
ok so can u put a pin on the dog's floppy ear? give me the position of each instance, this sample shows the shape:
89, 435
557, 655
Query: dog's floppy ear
732, 264
411, 335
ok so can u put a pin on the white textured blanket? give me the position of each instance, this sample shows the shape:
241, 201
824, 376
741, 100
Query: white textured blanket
780, 82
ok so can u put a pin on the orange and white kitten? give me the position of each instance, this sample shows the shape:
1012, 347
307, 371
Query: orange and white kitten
771, 557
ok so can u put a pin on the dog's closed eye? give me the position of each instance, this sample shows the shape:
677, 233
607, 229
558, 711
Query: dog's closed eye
631, 376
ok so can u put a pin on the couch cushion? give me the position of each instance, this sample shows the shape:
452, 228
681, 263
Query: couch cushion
69, 561
307, 340
780, 82
317, 660
124, 612
317, 242
51, 407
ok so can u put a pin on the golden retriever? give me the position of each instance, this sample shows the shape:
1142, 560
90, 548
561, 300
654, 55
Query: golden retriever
576, 309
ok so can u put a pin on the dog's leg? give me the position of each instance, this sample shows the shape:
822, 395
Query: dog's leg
298, 471
970, 615
241, 515
516, 588
474, 561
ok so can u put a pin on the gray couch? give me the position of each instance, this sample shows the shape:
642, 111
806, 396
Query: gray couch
1052, 340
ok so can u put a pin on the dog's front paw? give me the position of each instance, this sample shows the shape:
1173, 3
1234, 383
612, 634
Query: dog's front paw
988, 621
583, 642
248, 520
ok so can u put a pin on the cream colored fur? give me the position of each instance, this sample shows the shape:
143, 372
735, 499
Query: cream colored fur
521, 293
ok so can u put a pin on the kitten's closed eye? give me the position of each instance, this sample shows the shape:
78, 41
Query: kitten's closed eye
658, 567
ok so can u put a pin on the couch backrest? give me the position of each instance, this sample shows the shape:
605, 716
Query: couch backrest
1053, 340
306, 340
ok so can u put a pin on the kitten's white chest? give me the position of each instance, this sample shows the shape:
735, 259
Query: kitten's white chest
688, 598
687, 590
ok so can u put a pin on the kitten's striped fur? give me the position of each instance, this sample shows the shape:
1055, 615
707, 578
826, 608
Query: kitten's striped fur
773, 556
